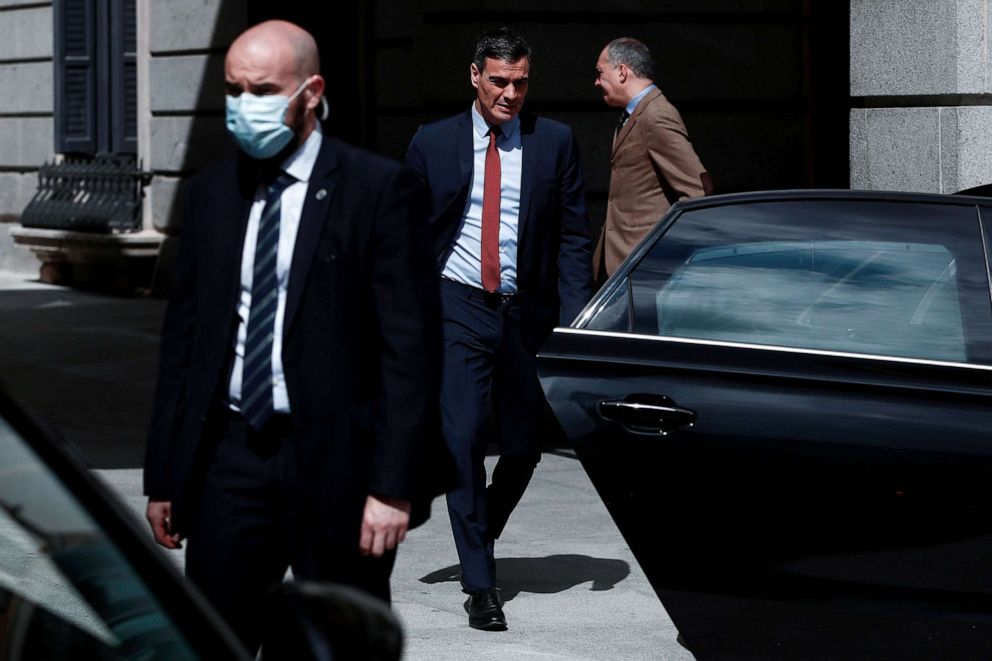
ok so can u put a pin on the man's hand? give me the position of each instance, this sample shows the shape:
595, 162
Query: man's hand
159, 515
383, 525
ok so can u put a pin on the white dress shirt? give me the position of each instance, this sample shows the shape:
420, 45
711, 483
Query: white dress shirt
464, 265
299, 164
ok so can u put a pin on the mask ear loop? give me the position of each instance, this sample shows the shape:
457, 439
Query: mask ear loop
324, 108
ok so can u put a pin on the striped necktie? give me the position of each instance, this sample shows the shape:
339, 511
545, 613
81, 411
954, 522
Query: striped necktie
256, 377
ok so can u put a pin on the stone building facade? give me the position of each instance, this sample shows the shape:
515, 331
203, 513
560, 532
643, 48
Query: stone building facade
921, 94
775, 93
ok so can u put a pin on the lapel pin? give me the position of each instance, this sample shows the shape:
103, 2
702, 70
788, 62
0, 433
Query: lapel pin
321, 194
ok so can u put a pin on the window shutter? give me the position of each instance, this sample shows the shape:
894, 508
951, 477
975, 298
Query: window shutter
124, 80
75, 76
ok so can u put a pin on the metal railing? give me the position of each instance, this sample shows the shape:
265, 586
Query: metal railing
101, 194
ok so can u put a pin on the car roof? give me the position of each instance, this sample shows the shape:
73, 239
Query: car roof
813, 194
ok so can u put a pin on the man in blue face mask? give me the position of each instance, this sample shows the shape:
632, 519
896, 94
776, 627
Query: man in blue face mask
264, 112
295, 413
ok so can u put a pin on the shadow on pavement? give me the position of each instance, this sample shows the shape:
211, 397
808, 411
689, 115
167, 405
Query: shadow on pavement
547, 575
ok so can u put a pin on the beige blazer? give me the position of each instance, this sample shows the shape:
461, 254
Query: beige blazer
653, 166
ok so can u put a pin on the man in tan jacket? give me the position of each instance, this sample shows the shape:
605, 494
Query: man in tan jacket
653, 162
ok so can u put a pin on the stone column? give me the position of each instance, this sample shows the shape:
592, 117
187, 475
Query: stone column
26, 133
921, 117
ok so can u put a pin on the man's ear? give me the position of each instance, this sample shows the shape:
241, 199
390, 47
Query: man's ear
474, 74
622, 72
314, 91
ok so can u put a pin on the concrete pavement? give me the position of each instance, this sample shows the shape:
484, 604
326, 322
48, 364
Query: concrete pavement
571, 587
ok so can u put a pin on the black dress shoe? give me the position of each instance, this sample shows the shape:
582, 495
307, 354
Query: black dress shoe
485, 611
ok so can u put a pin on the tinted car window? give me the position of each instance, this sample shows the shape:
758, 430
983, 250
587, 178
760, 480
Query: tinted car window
887, 278
66, 592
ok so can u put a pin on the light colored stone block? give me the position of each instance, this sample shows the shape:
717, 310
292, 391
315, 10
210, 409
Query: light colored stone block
182, 25
858, 152
932, 150
16, 190
187, 83
920, 47
29, 87
903, 149
166, 199
972, 147
26, 33
186, 144
15, 258
27, 141
950, 149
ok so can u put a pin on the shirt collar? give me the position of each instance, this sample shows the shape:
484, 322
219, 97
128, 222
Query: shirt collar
637, 98
300, 163
508, 128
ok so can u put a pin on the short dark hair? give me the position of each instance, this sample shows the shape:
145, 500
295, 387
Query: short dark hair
500, 44
633, 53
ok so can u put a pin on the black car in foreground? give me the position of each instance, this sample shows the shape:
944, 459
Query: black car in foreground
785, 401
80, 578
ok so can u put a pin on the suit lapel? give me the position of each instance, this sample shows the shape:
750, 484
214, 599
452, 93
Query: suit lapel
320, 192
528, 168
638, 111
465, 147
235, 207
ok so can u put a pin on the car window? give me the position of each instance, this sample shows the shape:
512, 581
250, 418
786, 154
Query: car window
885, 278
66, 592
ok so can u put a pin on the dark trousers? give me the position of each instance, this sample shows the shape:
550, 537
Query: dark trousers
245, 530
483, 346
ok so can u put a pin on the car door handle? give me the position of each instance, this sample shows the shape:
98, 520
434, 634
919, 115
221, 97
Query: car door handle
651, 415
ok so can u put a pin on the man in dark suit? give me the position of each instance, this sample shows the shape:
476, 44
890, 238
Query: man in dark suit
298, 370
511, 241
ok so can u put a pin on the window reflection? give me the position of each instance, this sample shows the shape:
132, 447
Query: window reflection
886, 298
868, 277
66, 592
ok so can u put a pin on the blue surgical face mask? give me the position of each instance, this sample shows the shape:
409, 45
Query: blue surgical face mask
257, 122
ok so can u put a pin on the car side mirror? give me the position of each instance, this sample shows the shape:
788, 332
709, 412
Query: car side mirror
330, 622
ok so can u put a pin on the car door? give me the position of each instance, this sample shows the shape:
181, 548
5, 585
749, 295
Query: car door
785, 403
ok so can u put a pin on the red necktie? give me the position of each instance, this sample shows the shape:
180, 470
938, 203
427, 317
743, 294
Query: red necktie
490, 215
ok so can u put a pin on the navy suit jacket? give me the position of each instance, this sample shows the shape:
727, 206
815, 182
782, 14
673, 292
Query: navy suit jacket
554, 263
361, 339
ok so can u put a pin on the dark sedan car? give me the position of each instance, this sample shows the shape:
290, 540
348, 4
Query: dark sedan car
80, 580
785, 400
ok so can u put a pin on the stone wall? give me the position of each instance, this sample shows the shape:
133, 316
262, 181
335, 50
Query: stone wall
755, 80
26, 116
187, 40
921, 95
